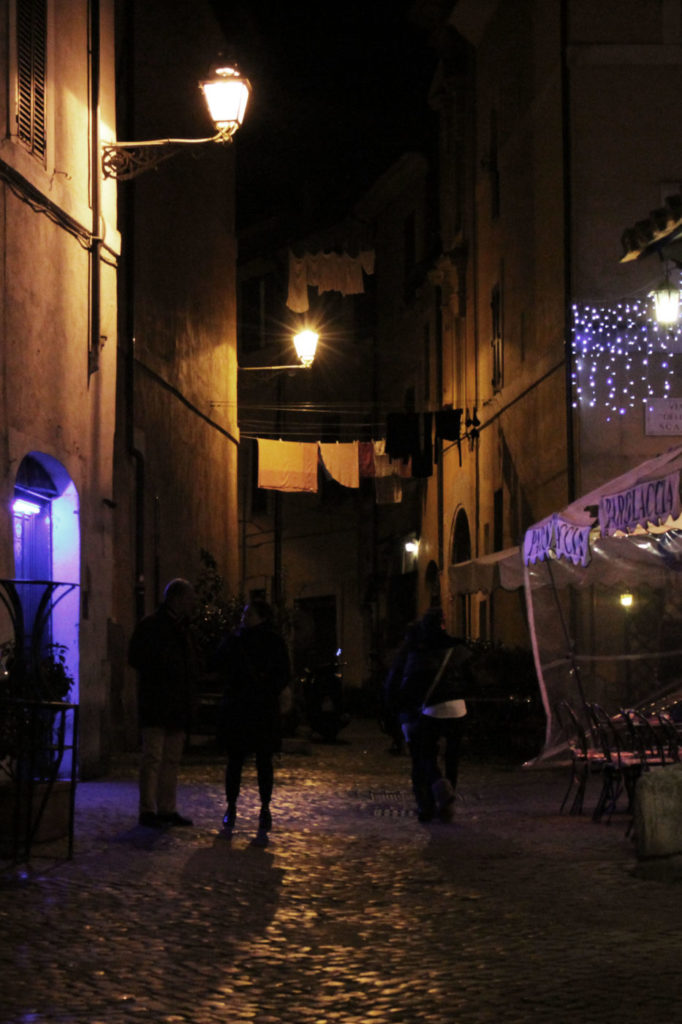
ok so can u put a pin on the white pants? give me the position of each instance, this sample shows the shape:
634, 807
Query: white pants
161, 753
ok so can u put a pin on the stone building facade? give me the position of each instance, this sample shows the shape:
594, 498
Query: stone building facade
118, 369
553, 140
59, 258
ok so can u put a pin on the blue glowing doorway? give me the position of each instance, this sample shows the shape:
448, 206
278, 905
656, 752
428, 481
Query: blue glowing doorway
46, 527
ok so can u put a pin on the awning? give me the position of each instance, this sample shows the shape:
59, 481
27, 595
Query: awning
644, 500
661, 232
501, 569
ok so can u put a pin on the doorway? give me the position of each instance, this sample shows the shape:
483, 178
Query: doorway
315, 634
46, 541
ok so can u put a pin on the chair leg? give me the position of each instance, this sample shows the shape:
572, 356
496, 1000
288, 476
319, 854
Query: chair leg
578, 780
579, 799
571, 782
610, 791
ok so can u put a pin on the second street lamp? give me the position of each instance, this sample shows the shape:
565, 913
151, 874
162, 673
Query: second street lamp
305, 343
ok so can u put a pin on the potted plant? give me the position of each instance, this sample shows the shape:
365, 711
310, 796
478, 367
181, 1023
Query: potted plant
36, 733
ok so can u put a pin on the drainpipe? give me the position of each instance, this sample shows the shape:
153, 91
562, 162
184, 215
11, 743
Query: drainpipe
474, 306
95, 190
439, 443
568, 276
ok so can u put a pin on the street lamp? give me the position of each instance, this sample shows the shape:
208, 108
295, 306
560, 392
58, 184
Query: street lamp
666, 302
305, 343
226, 94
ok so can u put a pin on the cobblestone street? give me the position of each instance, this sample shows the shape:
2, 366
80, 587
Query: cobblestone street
354, 913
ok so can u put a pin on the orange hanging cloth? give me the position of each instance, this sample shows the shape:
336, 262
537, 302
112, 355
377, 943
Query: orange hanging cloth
287, 465
342, 462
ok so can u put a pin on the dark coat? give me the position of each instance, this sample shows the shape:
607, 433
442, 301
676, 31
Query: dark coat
254, 666
161, 650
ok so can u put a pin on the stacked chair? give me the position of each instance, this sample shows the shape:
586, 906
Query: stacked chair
615, 748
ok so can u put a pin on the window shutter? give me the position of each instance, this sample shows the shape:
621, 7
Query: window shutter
31, 64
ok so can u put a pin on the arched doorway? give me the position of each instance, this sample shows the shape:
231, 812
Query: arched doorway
46, 540
460, 552
461, 538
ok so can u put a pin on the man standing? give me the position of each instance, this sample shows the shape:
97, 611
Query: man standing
161, 651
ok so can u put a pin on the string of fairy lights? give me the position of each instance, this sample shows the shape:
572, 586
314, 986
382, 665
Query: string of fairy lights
622, 357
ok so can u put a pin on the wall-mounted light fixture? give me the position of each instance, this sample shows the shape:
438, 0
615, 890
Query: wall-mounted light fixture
305, 343
666, 302
226, 94
410, 553
22, 507
627, 599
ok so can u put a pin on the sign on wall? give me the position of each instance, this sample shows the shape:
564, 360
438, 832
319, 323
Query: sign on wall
663, 417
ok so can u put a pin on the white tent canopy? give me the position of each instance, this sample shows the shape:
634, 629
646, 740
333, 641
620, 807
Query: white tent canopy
590, 641
501, 569
604, 594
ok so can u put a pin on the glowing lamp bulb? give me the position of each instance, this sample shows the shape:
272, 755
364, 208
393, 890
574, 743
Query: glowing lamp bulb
305, 343
666, 303
227, 95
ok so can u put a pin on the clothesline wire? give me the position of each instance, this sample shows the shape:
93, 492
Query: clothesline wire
298, 434
336, 408
379, 408
283, 434
253, 424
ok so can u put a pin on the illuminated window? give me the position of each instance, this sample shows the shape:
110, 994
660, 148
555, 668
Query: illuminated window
32, 74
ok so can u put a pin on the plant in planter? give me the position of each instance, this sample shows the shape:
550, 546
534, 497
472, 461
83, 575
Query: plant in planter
34, 736
54, 680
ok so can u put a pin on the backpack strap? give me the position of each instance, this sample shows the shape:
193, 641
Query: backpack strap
437, 679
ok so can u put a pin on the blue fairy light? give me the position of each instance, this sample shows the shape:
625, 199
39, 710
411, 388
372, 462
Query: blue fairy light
617, 348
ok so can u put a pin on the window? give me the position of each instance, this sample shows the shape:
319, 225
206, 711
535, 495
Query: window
493, 168
498, 519
260, 301
409, 254
427, 364
32, 74
252, 314
496, 339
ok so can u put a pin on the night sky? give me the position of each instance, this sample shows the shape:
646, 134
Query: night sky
339, 92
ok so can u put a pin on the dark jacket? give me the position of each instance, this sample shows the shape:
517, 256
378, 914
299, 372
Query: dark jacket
161, 650
254, 666
422, 656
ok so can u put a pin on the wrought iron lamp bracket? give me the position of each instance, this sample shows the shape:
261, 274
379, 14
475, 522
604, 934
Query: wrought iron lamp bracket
126, 160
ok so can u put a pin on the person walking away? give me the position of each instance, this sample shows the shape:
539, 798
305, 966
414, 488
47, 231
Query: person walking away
254, 665
433, 711
391, 719
161, 650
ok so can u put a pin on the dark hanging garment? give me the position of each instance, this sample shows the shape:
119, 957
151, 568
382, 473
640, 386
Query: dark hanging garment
402, 434
366, 458
448, 424
422, 458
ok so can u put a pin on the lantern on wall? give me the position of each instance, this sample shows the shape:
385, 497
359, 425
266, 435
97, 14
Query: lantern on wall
666, 302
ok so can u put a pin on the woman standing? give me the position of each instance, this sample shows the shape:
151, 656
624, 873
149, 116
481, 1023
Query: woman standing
254, 665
